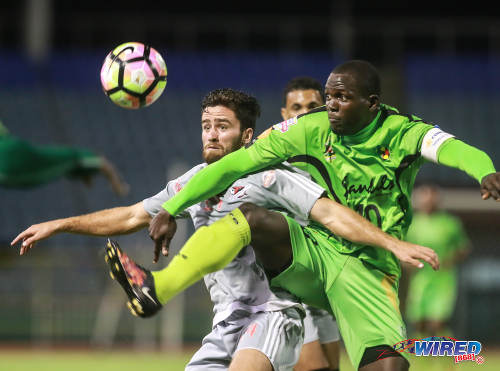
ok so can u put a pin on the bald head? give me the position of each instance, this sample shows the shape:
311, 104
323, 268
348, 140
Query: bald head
352, 96
365, 75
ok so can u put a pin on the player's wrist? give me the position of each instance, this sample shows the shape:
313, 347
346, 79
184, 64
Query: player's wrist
488, 173
390, 243
167, 208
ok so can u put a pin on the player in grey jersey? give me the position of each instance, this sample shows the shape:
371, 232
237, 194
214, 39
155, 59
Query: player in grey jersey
251, 322
240, 292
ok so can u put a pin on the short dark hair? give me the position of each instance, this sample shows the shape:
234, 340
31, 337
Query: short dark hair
303, 83
366, 75
245, 107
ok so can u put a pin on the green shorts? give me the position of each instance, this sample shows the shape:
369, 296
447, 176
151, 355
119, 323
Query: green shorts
23, 164
431, 296
363, 299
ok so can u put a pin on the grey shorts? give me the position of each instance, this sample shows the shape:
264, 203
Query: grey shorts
278, 335
320, 325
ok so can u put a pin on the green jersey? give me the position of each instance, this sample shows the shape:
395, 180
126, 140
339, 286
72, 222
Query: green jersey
371, 172
432, 294
440, 231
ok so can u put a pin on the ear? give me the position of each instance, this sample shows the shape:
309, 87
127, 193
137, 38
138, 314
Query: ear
246, 136
283, 113
374, 102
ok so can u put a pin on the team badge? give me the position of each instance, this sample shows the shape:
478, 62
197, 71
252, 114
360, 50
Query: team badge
384, 153
236, 189
239, 191
329, 153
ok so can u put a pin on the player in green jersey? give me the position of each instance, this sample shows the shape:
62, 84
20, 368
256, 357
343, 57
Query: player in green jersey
366, 154
26, 165
432, 295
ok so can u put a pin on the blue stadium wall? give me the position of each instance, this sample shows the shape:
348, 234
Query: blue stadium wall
62, 103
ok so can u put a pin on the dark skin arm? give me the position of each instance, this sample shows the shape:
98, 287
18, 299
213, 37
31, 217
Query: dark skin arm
162, 229
490, 186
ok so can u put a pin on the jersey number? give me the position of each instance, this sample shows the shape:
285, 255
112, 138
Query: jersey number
371, 213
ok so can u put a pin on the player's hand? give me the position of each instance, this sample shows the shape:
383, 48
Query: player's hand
118, 185
490, 186
413, 255
33, 234
162, 229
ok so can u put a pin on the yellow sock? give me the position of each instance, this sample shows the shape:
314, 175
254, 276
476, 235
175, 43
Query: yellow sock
208, 250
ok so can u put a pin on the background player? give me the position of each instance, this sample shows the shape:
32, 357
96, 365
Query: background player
432, 295
321, 333
367, 155
25, 165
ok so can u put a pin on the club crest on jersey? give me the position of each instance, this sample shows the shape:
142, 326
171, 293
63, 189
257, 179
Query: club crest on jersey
384, 153
329, 152
285, 125
238, 191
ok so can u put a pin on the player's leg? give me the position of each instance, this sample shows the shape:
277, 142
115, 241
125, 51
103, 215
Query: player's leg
329, 337
387, 364
250, 360
331, 351
213, 354
270, 341
440, 304
312, 358
270, 237
225, 238
366, 306
311, 354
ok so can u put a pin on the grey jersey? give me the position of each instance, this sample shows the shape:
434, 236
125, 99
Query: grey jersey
242, 285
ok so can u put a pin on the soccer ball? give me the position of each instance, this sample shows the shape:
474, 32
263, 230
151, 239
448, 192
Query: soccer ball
133, 75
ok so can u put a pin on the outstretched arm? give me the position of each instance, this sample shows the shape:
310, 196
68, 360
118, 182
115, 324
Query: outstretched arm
476, 163
119, 220
346, 223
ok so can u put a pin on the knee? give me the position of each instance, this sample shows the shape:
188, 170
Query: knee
253, 213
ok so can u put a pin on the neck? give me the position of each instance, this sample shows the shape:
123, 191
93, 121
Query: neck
364, 133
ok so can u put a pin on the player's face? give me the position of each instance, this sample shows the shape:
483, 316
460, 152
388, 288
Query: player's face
426, 199
221, 134
300, 101
349, 111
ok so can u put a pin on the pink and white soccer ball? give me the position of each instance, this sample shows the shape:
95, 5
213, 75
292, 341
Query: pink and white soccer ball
133, 75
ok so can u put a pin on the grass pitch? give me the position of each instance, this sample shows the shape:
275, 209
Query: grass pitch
28, 359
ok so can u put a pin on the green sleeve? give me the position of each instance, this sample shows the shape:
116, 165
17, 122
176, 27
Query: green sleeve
459, 155
273, 147
211, 180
